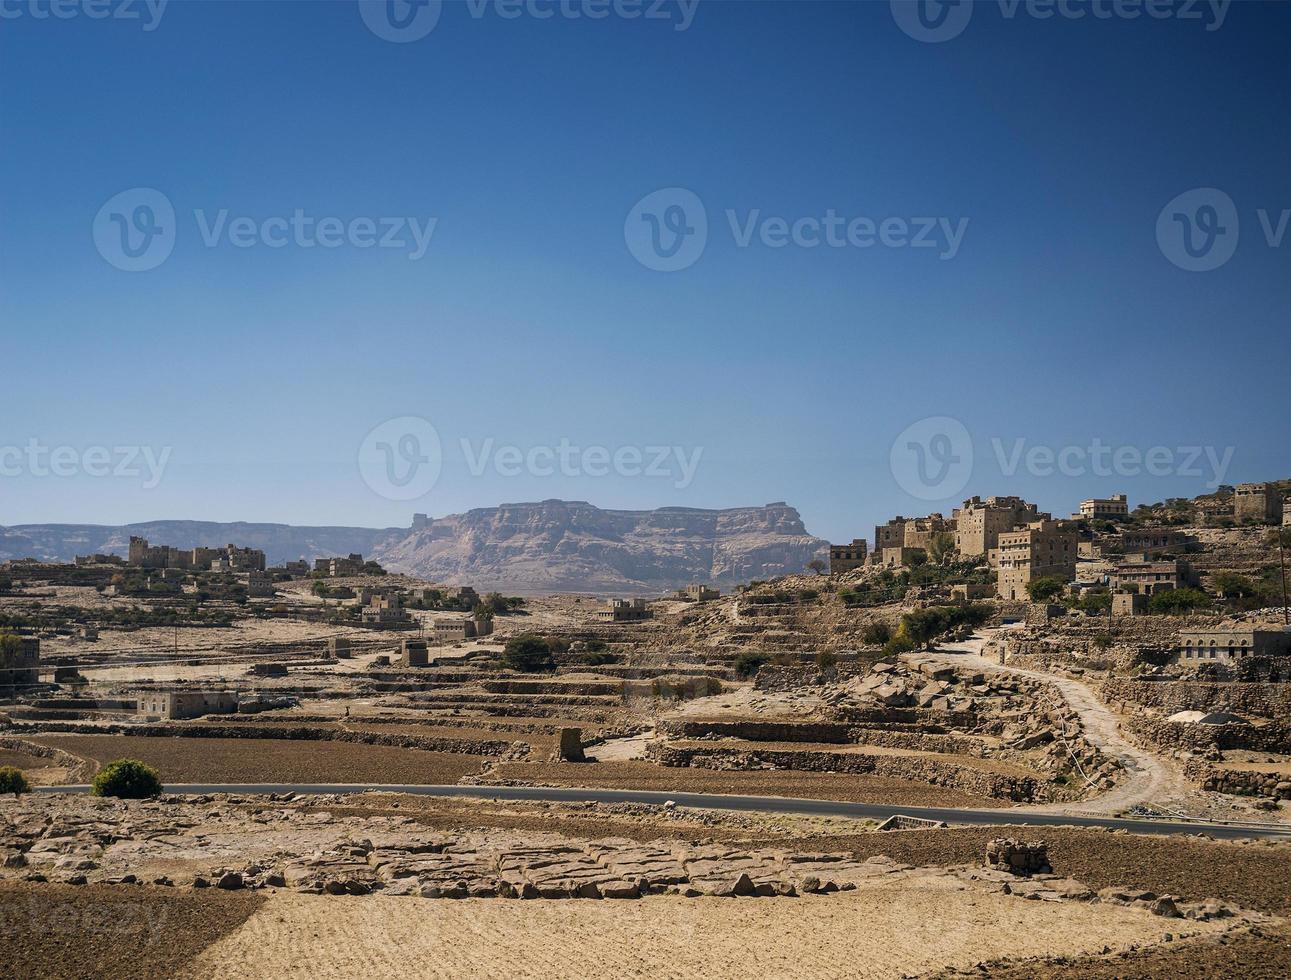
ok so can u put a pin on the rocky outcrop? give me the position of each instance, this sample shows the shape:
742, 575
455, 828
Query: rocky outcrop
561, 545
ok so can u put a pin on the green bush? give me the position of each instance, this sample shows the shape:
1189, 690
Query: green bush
876, 634
128, 779
528, 653
826, 660
13, 780
1179, 602
1044, 589
748, 663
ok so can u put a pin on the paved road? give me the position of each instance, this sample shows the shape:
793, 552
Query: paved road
761, 804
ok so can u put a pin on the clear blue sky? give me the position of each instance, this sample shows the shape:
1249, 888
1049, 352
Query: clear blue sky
1058, 321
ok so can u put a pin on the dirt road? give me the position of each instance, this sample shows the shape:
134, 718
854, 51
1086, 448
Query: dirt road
1149, 778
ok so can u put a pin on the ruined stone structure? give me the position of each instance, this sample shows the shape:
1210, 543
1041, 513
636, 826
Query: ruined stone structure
702, 593
845, 557
19, 660
1154, 542
338, 648
979, 523
624, 611
1257, 503
413, 653
1043, 549
175, 705
230, 558
1129, 604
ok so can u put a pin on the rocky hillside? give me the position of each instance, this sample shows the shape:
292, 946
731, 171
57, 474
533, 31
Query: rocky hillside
561, 545
536, 547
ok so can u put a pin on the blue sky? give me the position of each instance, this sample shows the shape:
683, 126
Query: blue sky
1057, 323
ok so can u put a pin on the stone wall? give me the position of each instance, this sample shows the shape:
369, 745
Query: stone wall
1238, 782
292, 733
1265, 700
1019, 789
1170, 735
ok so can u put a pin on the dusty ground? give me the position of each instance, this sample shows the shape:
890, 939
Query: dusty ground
233, 760
874, 931
801, 785
60, 932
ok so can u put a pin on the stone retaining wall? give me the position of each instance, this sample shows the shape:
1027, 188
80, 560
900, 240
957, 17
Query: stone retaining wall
1238, 782
1265, 700
393, 739
1019, 789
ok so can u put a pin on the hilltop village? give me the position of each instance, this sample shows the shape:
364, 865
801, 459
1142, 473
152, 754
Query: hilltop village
328, 731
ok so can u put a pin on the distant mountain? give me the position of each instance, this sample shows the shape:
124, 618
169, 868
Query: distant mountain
550, 546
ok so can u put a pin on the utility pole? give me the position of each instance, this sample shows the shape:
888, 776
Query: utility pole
1282, 555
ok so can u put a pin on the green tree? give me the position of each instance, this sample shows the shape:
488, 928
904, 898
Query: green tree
876, 634
1179, 602
817, 566
1044, 589
1230, 585
528, 653
128, 779
941, 546
13, 780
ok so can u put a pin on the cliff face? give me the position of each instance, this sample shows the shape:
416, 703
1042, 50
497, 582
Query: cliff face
561, 545
550, 546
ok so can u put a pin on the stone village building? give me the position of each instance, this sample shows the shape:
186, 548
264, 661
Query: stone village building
1043, 549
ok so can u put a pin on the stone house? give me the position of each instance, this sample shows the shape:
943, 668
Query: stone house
845, 557
1150, 577
979, 523
1257, 503
624, 611
1105, 508
176, 705
19, 660
1231, 644
1043, 549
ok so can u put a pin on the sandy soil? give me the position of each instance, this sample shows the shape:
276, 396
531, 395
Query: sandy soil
874, 931
61, 932
234, 760
797, 785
